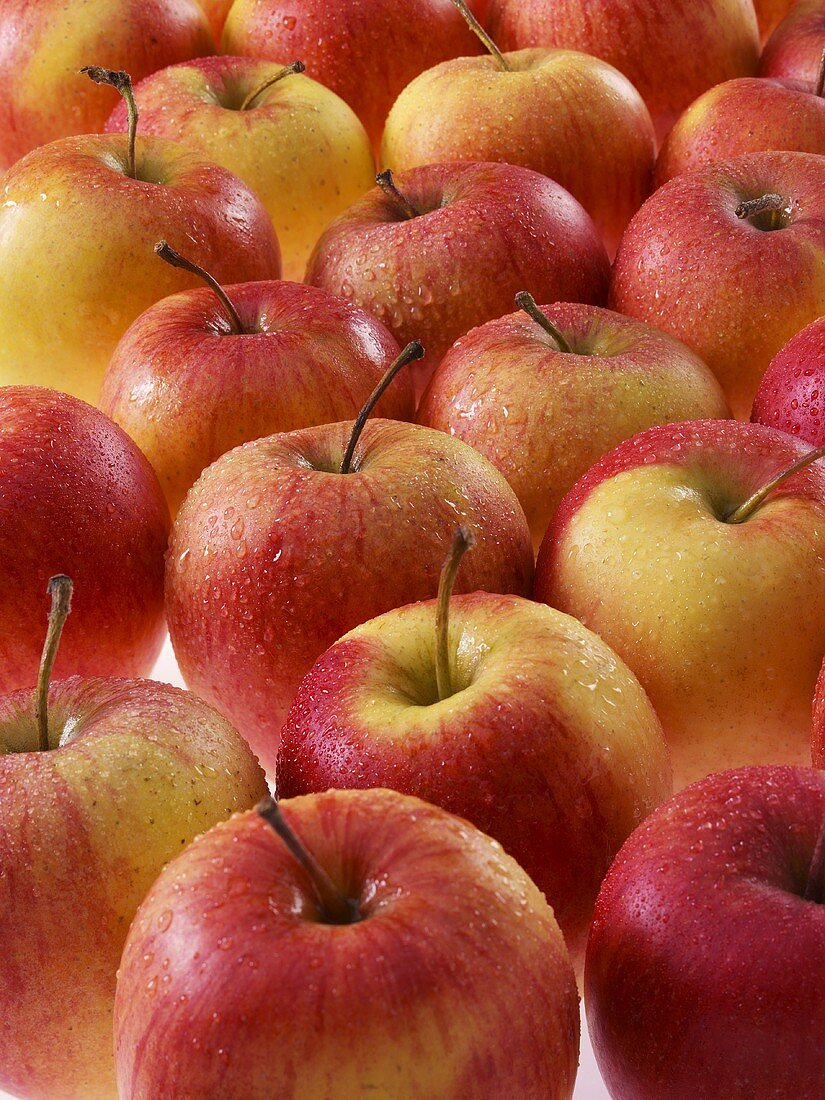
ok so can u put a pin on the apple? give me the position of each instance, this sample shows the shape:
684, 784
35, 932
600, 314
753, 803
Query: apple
794, 50
791, 396
690, 551
769, 13
217, 11
298, 146
710, 258
562, 113
545, 393
43, 44
671, 52
200, 373
444, 248
435, 964
367, 51
709, 935
79, 218
103, 781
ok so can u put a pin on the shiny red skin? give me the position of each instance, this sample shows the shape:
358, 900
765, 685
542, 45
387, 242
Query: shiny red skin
791, 396
703, 961
794, 50
486, 231
77, 497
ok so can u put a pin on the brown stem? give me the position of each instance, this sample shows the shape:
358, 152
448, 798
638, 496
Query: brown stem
480, 33
288, 70
60, 590
776, 204
387, 184
815, 884
335, 906
463, 540
174, 259
527, 302
746, 510
121, 82
819, 87
411, 352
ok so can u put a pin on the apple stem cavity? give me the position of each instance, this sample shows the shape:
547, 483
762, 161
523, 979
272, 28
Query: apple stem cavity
174, 259
287, 70
121, 82
815, 884
746, 510
60, 590
335, 906
411, 352
819, 88
481, 34
527, 303
387, 184
773, 204
463, 540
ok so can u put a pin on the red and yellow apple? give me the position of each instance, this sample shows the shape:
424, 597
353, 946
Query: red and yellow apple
794, 50
791, 395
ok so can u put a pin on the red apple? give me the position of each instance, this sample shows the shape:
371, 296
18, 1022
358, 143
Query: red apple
769, 13
794, 50
443, 976
710, 258
791, 396
708, 941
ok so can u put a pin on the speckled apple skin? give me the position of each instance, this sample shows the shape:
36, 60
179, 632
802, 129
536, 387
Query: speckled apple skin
486, 231
187, 390
44, 44
78, 263
77, 497
719, 283
670, 50
791, 396
544, 417
700, 978
724, 624
275, 555
794, 50
455, 985
142, 769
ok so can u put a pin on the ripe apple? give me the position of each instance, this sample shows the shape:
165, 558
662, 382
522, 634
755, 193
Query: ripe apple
217, 11
791, 396
711, 590
710, 256
444, 248
544, 394
709, 935
298, 146
794, 50
769, 13
103, 781
435, 964
366, 52
671, 52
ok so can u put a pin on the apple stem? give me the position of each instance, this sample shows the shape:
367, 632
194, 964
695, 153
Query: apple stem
820, 80
174, 259
527, 303
288, 70
335, 906
60, 590
815, 886
387, 184
776, 204
480, 33
411, 352
463, 540
121, 82
746, 510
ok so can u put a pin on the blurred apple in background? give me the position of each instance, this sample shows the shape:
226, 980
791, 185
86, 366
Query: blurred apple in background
298, 146
769, 13
217, 11
544, 396
708, 941
444, 977
791, 396
43, 44
794, 50
731, 260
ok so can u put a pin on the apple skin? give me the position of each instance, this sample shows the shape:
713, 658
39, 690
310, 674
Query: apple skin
187, 389
44, 44
748, 115
791, 396
455, 985
794, 50
275, 555
724, 624
78, 266
300, 148
719, 283
769, 13
542, 416
548, 744
702, 944
484, 232
141, 769
79, 498
217, 11
367, 51
564, 114
670, 51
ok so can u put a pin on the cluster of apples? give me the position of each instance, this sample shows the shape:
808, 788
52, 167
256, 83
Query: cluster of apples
597, 236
